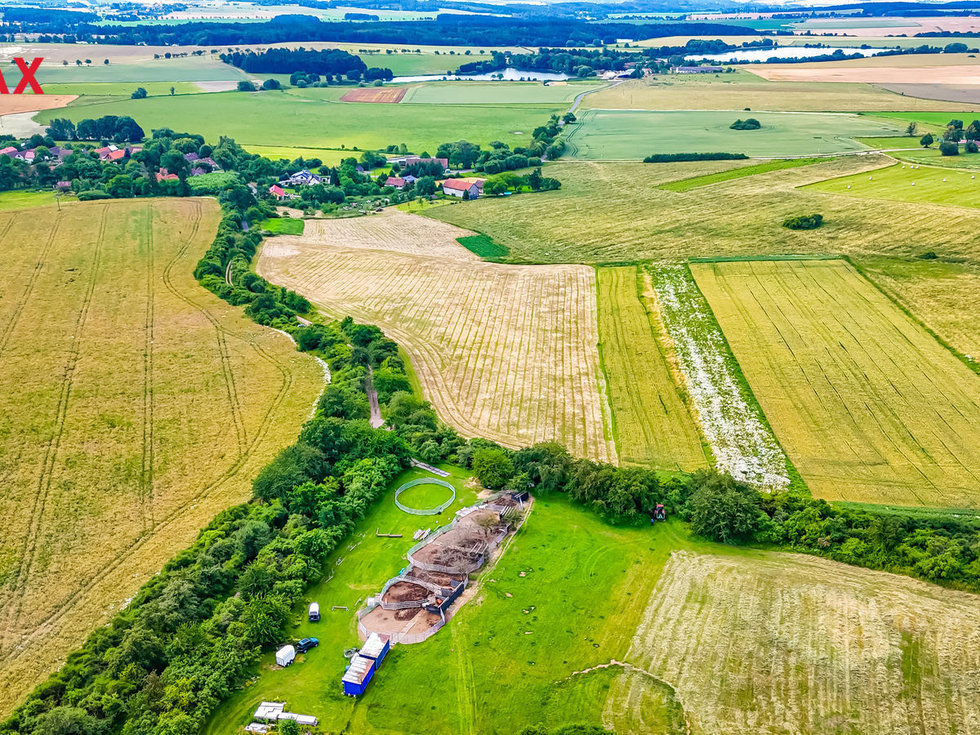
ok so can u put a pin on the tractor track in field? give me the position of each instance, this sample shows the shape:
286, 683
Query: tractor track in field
31, 282
28, 551
85, 588
146, 478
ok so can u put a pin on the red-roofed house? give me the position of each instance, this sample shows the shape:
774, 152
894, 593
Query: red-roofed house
457, 187
277, 191
9, 151
395, 182
163, 175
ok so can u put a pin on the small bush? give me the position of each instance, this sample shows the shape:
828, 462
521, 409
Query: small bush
928, 255
803, 222
92, 194
970, 147
747, 124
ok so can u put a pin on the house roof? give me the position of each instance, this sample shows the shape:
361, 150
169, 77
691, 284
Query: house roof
395, 181
462, 184
276, 190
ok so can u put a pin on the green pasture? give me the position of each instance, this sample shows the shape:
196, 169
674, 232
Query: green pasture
567, 594
329, 156
933, 121
633, 134
28, 199
903, 183
425, 496
282, 119
283, 225
484, 93
139, 71
483, 246
357, 570
121, 89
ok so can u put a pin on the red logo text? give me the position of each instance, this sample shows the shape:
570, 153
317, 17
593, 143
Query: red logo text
27, 79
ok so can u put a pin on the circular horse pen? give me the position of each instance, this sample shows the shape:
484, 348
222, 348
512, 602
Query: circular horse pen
425, 511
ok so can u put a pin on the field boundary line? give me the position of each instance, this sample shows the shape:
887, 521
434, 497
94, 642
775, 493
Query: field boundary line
146, 478
28, 552
974, 366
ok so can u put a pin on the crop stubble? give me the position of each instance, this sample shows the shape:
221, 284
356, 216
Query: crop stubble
503, 352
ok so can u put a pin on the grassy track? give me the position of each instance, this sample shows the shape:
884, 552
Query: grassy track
735, 173
901, 182
142, 407
502, 352
285, 119
611, 213
653, 426
868, 405
629, 134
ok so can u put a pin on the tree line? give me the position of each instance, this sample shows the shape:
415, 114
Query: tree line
311, 61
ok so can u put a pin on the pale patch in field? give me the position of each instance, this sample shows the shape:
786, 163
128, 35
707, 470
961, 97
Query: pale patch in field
867, 404
504, 352
962, 74
14, 103
775, 643
135, 404
390, 230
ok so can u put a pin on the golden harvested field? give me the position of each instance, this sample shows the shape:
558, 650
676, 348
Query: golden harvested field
607, 213
504, 352
382, 95
772, 643
903, 69
14, 103
867, 404
136, 405
391, 230
935, 292
741, 90
653, 426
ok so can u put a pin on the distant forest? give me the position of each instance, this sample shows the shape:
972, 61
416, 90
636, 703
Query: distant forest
287, 61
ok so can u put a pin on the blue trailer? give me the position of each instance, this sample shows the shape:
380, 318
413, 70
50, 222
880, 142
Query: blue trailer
358, 675
376, 648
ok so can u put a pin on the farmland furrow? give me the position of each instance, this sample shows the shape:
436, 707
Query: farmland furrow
28, 551
146, 475
86, 587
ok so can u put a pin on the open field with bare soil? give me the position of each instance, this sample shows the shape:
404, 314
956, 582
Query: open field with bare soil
136, 406
866, 403
383, 95
744, 89
607, 213
904, 69
652, 423
508, 353
775, 643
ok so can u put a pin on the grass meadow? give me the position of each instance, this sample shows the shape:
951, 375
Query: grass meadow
136, 407
571, 595
205, 68
868, 406
651, 422
502, 352
283, 225
901, 182
285, 119
610, 213
736, 173
633, 134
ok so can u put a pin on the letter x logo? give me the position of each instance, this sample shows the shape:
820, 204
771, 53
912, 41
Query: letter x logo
27, 78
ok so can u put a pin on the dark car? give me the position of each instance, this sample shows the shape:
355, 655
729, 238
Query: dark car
306, 644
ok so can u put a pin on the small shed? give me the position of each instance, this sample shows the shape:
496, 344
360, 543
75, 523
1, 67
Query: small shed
376, 648
314, 611
269, 711
358, 675
285, 655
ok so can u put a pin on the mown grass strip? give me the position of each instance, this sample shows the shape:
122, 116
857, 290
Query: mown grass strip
736, 173
484, 246
283, 226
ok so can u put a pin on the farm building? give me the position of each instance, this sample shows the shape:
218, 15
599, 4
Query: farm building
463, 188
358, 675
395, 182
696, 69
277, 191
302, 178
376, 647
285, 655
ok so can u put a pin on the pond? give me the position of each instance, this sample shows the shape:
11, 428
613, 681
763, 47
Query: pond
508, 75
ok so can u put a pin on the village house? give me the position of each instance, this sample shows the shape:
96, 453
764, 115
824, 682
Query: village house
406, 161
114, 153
395, 182
302, 178
277, 192
164, 175
471, 188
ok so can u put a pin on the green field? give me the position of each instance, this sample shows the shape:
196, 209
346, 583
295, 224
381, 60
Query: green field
499, 93
283, 225
190, 69
868, 405
735, 173
610, 213
651, 423
28, 199
483, 246
932, 120
288, 120
633, 134
903, 183
121, 89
